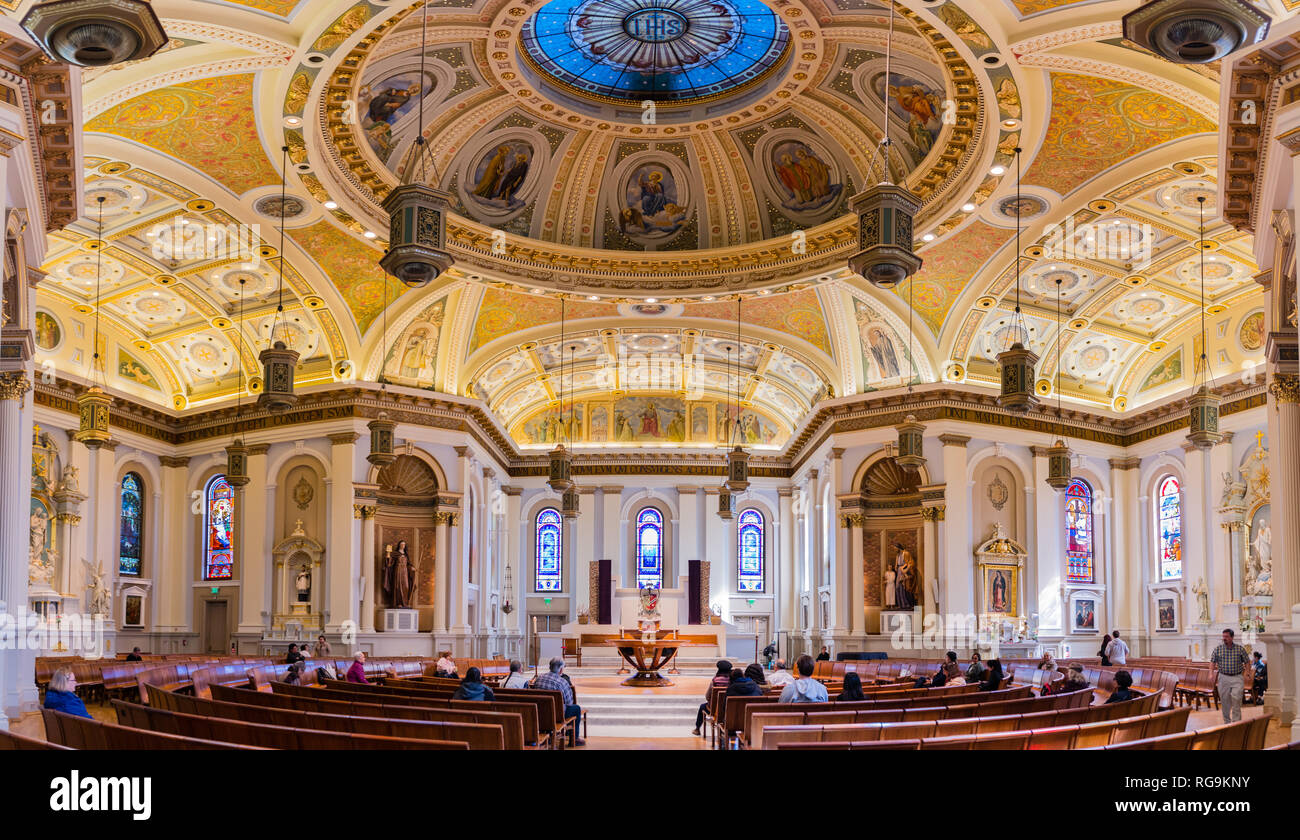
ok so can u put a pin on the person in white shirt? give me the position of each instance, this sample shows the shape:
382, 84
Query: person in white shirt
1117, 650
780, 677
446, 666
805, 689
517, 679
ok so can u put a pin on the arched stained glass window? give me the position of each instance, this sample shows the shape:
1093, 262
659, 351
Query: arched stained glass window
749, 551
1169, 516
549, 557
1078, 532
649, 549
218, 530
129, 550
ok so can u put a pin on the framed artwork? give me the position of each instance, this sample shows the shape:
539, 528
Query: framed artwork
1001, 590
132, 616
1083, 613
1166, 615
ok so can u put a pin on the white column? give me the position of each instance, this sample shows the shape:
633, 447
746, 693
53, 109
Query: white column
612, 530
106, 490
1047, 552
782, 572
173, 566
16, 672
1218, 553
715, 546
1196, 513
514, 556
584, 549
366, 513
857, 600
841, 553
1124, 588
930, 550
958, 566
340, 560
255, 558
688, 528
442, 553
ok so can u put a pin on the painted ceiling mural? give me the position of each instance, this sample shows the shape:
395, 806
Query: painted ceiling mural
763, 120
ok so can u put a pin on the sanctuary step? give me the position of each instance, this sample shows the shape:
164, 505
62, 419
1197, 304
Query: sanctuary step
633, 715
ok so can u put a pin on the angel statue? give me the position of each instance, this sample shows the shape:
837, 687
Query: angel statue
99, 596
1202, 601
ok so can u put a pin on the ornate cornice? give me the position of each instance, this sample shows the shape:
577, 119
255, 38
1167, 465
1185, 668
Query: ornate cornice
1130, 463
363, 511
174, 460
14, 385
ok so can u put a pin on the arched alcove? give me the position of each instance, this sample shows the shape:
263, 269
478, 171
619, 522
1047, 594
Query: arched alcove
404, 520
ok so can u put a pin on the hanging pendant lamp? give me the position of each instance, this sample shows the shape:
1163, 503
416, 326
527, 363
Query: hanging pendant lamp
1203, 407
237, 453
93, 403
1016, 362
911, 434
417, 212
561, 460
383, 444
885, 213
278, 361
737, 458
1058, 454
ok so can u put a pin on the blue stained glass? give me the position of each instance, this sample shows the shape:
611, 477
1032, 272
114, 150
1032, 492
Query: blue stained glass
219, 528
649, 549
1078, 532
749, 551
131, 527
664, 50
549, 557
1170, 514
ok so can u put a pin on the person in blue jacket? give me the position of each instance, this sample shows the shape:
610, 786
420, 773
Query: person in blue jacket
61, 696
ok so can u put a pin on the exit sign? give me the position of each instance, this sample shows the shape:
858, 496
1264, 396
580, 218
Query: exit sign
216, 590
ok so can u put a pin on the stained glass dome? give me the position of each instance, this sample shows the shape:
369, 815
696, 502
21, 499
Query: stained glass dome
664, 50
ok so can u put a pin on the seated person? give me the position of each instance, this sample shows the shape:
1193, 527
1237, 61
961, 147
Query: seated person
825, 655
852, 688
357, 673
1123, 688
992, 677
722, 679
292, 675
1260, 685
293, 656
976, 670
554, 680
1047, 663
780, 677
1074, 679
755, 672
472, 687
742, 685
446, 666
805, 689
134, 655
951, 670
517, 678
61, 695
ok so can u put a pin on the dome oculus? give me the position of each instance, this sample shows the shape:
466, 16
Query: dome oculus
672, 51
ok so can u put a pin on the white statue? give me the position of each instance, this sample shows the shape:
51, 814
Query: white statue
1234, 492
889, 588
70, 483
100, 600
40, 526
1264, 547
1202, 601
40, 569
303, 583
1260, 578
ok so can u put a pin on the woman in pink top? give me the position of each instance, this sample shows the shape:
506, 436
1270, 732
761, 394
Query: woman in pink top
357, 673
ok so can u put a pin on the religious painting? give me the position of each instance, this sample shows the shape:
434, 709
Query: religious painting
1166, 615
414, 356
805, 178
884, 354
1168, 370
41, 552
652, 207
1000, 590
1251, 333
132, 614
1078, 532
381, 104
649, 419
48, 332
917, 103
751, 427
599, 425
699, 423
499, 173
129, 368
1083, 614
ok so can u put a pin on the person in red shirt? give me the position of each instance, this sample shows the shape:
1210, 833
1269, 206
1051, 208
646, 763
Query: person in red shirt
357, 673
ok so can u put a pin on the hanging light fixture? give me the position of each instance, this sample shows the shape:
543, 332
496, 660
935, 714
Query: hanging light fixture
382, 439
1016, 362
93, 403
561, 460
885, 213
737, 458
570, 499
278, 361
506, 606
237, 452
417, 212
1203, 428
1058, 454
911, 434
95, 33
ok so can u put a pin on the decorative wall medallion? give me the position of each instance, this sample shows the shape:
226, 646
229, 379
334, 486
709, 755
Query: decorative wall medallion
998, 493
269, 206
303, 494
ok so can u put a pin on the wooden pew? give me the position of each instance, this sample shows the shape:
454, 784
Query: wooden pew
85, 734
453, 736
14, 741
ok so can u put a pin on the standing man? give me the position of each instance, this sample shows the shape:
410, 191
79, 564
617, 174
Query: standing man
1117, 650
1230, 659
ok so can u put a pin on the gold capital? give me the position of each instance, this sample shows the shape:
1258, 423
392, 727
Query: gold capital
14, 385
1285, 387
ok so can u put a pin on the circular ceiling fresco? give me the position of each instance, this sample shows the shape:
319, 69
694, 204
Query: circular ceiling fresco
672, 51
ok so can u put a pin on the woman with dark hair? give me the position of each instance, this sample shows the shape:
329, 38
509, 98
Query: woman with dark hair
293, 655
852, 688
1123, 688
755, 672
993, 679
472, 687
721, 680
1105, 643
743, 685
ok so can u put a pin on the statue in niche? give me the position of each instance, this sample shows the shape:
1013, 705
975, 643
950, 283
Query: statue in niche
70, 483
1234, 492
890, 579
1202, 601
905, 582
1260, 573
40, 526
99, 601
303, 584
399, 576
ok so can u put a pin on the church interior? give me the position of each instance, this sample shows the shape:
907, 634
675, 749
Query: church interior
639, 335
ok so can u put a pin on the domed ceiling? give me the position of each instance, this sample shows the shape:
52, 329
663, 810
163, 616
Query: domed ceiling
636, 167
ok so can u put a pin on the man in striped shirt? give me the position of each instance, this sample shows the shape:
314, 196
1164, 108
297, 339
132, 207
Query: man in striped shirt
1230, 659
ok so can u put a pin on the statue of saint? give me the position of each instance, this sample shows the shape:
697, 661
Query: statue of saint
99, 601
905, 582
1202, 601
39, 529
399, 576
303, 582
890, 578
